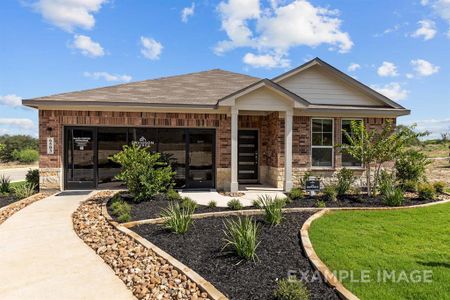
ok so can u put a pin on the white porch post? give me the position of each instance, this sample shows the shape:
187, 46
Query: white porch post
234, 150
288, 150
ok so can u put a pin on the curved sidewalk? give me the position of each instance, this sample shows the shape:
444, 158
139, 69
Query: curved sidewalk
41, 257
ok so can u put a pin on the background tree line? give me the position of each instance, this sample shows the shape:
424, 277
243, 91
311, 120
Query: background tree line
21, 148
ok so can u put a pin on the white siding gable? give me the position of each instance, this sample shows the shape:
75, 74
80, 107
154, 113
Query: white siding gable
321, 87
263, 99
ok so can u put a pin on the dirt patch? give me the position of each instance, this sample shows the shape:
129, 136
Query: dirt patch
279, 253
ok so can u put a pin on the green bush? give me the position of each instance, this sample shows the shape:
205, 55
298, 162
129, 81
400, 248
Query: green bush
409, 186
25, 155
32, 177
272, 209
212, 204
120, 209
256, 203
296, 194
5, 184
426, 191
291, 289
189, 204
345, 180
321, 204
439, 186
241, 236
177, 219
386, 182
143, 172
16, 142
411, 165
24, 190
173, 195
393, 196
330, 192
234, 204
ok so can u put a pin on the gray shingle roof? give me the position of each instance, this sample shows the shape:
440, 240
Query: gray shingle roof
202, 88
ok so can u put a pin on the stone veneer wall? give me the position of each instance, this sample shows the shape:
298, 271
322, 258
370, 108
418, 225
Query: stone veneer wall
51, 124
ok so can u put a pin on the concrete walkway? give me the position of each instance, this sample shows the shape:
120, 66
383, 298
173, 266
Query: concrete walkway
41, 257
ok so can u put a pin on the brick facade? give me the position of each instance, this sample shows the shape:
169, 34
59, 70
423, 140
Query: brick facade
271, 139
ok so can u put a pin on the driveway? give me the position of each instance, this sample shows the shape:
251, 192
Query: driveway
15, 174
41, 257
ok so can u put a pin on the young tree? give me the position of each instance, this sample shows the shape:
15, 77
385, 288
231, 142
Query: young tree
374, 148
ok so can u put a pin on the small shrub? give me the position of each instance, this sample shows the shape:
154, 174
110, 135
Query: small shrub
256, 203
320, 204
439, 186
212, 204
234, 204
426, 191
189, 204
241, 236
345, 180
330, 192
409, 185
176, 218
411, 165
144, 173
173, 195
5, 184
296, 194
120, 209
272, 209
24, 190
393, 196
26, 155
386, 182
291, 289
33, 177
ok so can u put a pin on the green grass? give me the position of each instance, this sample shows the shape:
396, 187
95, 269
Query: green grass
405, 240
14, 184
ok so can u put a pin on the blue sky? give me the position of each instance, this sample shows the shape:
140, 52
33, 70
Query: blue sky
400, 48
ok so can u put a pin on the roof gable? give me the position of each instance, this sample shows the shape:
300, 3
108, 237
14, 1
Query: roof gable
321, 83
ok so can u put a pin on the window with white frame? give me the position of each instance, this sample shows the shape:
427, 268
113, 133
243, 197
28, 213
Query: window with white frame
322, 142
347, 159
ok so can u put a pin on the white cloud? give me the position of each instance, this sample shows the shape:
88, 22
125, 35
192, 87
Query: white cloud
392, 90
434, 126
25, 124
266, 61
409, 75
87, 46
427, 30
440, 8
387, 69
187, 12
107, 76
69, 14
423, 67
274, 29
353, 67
11, 100
151, 48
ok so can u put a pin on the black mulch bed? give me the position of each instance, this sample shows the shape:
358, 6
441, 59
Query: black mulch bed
7, 199
279, 252
152, 208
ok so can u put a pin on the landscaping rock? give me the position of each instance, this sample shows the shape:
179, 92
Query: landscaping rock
145, 273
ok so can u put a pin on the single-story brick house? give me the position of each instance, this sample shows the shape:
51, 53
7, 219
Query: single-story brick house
220, 128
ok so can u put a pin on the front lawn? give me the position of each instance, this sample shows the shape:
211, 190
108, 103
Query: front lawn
368, 244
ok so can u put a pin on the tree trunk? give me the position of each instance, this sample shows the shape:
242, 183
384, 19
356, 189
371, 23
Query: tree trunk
369, 185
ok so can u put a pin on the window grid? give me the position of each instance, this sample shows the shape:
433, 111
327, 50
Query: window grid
322, 146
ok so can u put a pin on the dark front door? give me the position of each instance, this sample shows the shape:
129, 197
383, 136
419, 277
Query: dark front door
200, 156
80, 158
248, 156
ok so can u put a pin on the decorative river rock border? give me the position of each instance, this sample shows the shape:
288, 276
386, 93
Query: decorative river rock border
148, 274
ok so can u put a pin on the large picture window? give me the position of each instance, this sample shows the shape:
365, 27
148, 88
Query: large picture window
347, 159
322, 143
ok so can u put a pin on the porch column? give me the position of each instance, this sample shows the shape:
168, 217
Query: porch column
288, 150
234, 150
